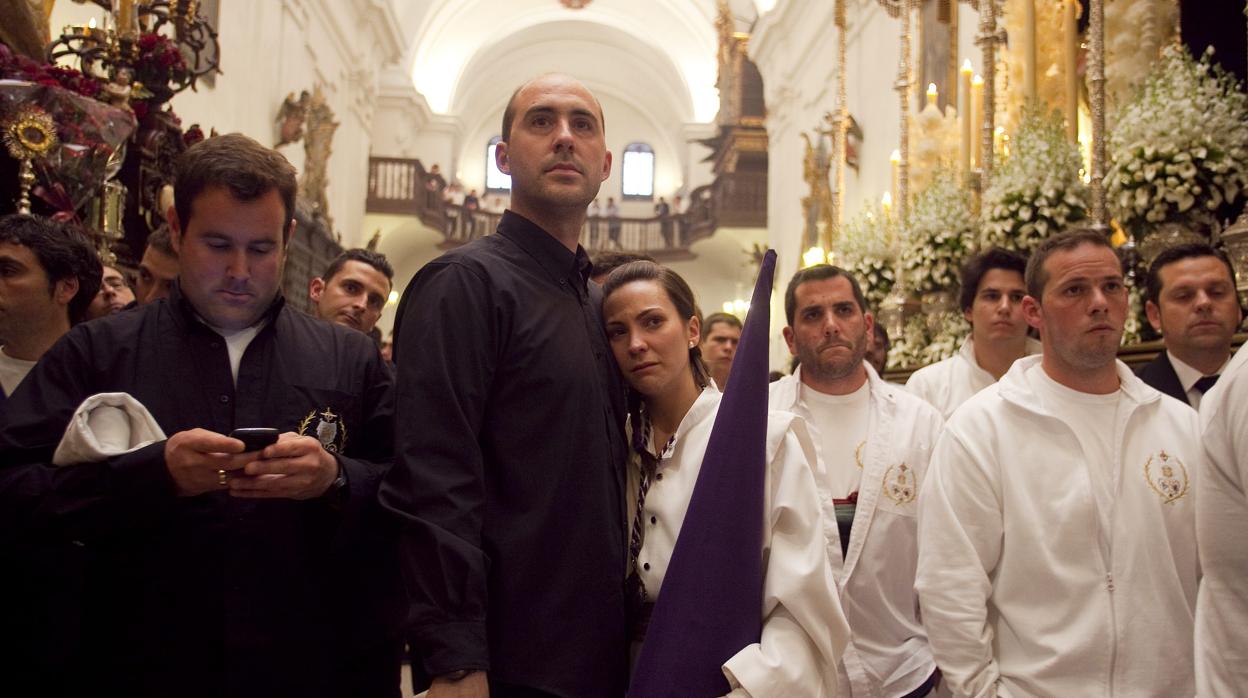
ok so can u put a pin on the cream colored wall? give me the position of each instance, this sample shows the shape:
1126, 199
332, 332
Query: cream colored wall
272, 48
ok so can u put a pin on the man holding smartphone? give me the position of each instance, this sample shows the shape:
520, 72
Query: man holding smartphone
211, 567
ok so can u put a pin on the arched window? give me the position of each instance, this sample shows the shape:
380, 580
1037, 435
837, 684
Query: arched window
638, 171
495, 179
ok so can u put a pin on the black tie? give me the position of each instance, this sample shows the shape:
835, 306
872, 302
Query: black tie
1204, 384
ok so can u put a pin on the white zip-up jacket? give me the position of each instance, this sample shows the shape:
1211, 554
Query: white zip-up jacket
1222, 530
950, 382
1023, 592
888, 654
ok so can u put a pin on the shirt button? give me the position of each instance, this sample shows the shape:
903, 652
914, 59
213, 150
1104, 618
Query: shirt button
224, 399
646, 566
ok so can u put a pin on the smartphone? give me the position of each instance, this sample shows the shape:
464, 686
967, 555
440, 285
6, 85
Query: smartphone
255, 438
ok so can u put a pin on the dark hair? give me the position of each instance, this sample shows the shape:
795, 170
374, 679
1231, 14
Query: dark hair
159, 240
715, 318
63, 252
248, 169
1036, 277
819, 272
373, 259
509, 113
607, 262
881, 336
976, 267
686, 306
1152, 282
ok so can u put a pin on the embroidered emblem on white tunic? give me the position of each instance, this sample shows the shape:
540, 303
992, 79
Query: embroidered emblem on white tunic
899, 484
1167, 476
327, 428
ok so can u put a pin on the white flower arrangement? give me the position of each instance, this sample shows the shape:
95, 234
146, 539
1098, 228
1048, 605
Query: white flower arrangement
938, 236
1132, 328
1180, 147
1036, 191
919, 346
864, 252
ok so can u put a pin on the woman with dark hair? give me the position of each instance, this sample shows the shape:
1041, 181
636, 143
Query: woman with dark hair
653, 325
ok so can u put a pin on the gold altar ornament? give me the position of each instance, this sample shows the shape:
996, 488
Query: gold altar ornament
29, 134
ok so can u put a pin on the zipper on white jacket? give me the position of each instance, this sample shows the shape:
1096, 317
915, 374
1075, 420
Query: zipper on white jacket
1113, 630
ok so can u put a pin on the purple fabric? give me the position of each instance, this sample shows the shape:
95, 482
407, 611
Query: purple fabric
711, 603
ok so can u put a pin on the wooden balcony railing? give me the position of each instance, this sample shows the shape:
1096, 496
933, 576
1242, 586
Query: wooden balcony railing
403, 187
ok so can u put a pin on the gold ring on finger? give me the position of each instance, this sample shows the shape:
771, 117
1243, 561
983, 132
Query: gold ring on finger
222, 479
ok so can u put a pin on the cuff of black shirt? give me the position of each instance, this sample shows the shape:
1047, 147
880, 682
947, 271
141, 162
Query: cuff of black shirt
448, 647
142, 473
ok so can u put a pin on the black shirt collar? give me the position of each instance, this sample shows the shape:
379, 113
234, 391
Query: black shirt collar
552, 255
186, 313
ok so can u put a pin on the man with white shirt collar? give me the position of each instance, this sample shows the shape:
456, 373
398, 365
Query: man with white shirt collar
1191, 301
869, 480
1057, 548
992, 301
211, 562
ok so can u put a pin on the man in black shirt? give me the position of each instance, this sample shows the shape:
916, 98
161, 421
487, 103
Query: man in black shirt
205, 570
508, 480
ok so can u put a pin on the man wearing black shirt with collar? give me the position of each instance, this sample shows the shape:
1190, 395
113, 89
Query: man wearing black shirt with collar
508, 481
211, 569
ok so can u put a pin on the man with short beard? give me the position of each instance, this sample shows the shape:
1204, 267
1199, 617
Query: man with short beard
873, 440
1057, 546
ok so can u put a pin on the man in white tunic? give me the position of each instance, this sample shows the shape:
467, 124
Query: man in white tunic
873, 442
1222, 529
992, 301
1057, 547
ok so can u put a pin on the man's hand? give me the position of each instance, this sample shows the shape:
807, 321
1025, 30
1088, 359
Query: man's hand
473, 685
195, 458
296, 467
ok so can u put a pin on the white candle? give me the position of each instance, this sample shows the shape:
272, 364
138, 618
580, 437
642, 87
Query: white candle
895, 161
977, 118
964, 113
1071, 29
1029, 49
932, 94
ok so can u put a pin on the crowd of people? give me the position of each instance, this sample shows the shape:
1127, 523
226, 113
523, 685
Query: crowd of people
206, 492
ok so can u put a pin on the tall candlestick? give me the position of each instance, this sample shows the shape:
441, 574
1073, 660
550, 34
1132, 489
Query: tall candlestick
964, 113
1070, 27
977, 118
933, 95
1096, 98
1029, 49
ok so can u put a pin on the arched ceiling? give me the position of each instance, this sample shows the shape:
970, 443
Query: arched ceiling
468, 55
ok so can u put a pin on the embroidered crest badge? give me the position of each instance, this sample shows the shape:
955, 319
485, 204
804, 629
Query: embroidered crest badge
1167, 475
327, 427
900, 485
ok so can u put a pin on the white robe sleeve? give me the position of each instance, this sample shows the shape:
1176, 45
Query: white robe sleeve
1222, 536
960, 529
804, 628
